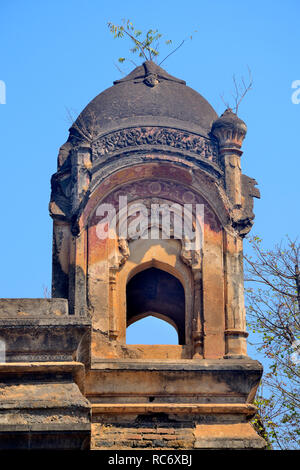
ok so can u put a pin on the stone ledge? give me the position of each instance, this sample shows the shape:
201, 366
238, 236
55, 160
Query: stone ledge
44, 339
245, 363
33, 307
42, 406
77, 369
238, 379
222, 436
43, 321
174, 408
70, 427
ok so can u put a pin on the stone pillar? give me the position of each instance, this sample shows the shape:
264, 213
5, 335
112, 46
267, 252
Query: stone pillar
235, 316
213, 294
81, 163
230, 132
60, 259
78, 275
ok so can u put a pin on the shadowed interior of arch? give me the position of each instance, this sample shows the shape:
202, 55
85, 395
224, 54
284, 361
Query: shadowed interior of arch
156, 293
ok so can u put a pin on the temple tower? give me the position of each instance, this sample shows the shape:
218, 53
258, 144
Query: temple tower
149, 209
146, 143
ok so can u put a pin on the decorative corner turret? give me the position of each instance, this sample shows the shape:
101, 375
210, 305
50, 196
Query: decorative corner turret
230, 132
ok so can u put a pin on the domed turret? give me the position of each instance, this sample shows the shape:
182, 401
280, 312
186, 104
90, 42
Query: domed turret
148, 95
229, 129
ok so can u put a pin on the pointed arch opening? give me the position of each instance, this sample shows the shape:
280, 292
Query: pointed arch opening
157, 293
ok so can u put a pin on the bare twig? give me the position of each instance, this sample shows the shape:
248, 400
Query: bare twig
239, 93
178, 47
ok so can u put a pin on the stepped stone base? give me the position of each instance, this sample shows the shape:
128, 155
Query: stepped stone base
173, 426
42, 407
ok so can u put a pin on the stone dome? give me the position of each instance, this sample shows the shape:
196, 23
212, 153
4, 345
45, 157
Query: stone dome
147, 96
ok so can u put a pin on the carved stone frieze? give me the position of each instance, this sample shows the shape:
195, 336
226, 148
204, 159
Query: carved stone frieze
162, 190
157, 136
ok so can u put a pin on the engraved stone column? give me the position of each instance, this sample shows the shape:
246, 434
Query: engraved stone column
81, 164
235, 317
230, 132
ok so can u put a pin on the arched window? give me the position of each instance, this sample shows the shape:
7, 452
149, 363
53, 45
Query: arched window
154, 292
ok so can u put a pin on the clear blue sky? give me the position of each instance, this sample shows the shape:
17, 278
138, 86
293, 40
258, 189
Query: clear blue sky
59, 54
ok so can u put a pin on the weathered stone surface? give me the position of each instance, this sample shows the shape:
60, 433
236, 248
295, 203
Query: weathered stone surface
174, 427
51, 335
131, 99
158, 144
41, 406
24, 308
204, 381
222, 436
41, 401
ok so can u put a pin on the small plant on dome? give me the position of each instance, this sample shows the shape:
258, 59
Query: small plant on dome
145, 45
241, 88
